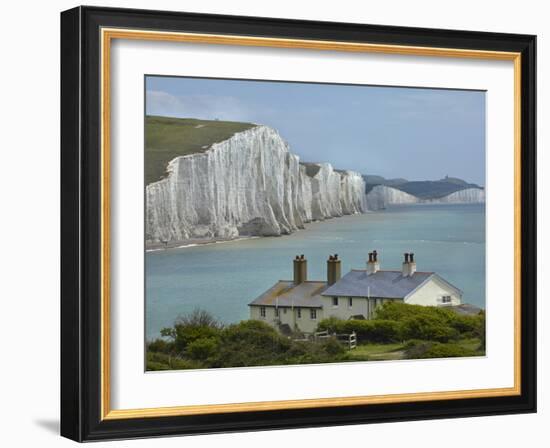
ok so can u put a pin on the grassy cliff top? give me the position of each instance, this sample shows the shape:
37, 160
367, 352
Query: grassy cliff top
167, 138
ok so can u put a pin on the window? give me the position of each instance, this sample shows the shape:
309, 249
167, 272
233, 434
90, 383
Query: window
350, 301
284, 310
262, 311
299, 312
276, 312
313, 313
445, 299
335, 301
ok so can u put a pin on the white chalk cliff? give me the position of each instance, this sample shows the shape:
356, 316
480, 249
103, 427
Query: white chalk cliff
466, 196
381, 196
249, 184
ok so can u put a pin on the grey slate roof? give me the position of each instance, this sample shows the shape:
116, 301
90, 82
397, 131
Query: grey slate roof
285, 294
356, 283
382, 284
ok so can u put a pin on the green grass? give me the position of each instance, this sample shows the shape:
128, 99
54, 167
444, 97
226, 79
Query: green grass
385, 352
167, 138
376, 352
471, 344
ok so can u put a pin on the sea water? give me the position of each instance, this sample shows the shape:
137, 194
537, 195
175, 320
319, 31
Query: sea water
223, 278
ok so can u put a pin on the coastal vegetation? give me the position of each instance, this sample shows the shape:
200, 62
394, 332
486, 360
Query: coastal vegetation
398, 331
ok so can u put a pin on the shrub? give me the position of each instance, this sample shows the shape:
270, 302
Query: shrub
187, 329
162, 361
428, 328
379, 331
201, 349
384, 331
250, 343
161, 346
332, 347
328, 350
186, 335
331, 324
400, 311
199, 318
427, 349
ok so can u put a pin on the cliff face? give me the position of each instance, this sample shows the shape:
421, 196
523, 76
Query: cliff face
466, 196
249, 184
336, 193
381, 196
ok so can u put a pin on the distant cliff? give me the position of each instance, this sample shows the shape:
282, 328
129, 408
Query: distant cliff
469, 195
422, 189
248, 184
380, 196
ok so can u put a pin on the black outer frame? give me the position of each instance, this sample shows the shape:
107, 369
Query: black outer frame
80, 224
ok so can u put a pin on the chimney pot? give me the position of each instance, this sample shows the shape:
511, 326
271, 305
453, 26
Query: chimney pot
300, 270
409, 266
373, 266
334, 269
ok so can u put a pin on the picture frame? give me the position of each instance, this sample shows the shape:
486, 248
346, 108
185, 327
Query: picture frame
86, 37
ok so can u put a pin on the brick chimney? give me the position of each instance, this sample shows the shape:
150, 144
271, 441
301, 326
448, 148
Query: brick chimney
409, 265
373, 265
300, 269
334, 269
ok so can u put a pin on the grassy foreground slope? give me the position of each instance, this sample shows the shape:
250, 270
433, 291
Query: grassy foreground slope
397, 331
167, 138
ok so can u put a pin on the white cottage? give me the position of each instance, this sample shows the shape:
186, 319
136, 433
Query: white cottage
300, 303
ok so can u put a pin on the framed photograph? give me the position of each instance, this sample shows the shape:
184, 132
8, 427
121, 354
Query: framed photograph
273, 223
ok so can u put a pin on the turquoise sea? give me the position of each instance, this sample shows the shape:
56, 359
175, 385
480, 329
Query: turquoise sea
223, 278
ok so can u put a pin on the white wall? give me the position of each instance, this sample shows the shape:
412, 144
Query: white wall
305, 323
30, 208
430, 292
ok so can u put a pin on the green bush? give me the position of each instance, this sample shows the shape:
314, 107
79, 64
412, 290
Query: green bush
203, 348
332, 347
187, 329
250, 343
327, 350
428, 349
379, 331
161, 346
331, 324
400, 311
162, 361
428, 328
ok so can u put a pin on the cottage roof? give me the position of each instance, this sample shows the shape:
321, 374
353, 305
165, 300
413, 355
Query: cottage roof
382, 284
285, 293
356, 283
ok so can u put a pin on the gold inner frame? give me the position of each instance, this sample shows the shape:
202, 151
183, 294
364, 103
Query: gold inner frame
107, 35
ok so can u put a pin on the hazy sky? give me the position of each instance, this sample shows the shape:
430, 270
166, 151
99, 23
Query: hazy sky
391, 131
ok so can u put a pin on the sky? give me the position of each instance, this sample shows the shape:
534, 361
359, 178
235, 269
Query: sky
418, 134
